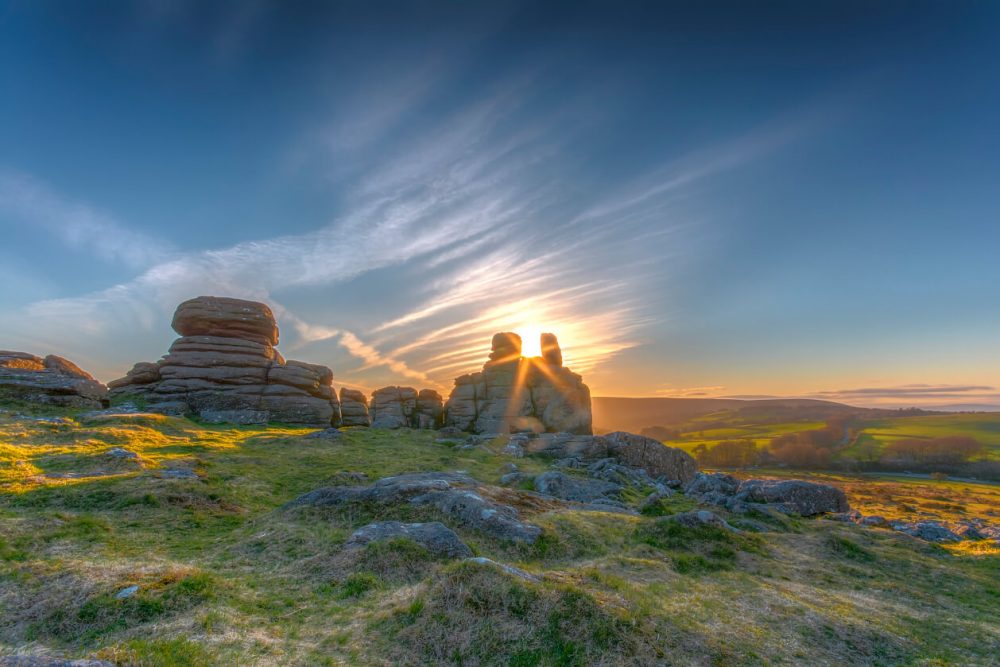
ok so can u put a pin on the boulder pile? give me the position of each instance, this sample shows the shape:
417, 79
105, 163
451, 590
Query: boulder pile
224, 368
514, 393
51, 380
405, 407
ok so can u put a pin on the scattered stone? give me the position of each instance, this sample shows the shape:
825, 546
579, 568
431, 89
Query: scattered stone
788, 496
224, 368
452, 494
178, 473
929, 531
514, 448
696, 518
513, 393
434, 536
121, 453
127, 592
563, 486
509, 569
50, 380
653, 499
873, 521
325, 434
513, 478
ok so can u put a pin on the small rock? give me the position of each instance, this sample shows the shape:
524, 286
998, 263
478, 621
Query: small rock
697, 518
48, 661
127, 592
121, 453
509, 467
451, 433
178, 473
509, 569
653, 499
325, 434
873, 521
512, 478
929, 531
434, 536
513, 448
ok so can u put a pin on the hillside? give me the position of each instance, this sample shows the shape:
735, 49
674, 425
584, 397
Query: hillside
224, 573
634, 414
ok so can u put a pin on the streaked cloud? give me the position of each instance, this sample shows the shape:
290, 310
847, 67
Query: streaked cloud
25, 200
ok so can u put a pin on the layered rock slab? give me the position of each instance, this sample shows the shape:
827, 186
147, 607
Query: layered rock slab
50, 380
224, 364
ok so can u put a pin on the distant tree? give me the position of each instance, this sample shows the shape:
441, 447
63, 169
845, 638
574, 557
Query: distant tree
799, 453
946, 450
730, 454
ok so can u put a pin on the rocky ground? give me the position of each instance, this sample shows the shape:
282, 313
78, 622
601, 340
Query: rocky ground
147, 539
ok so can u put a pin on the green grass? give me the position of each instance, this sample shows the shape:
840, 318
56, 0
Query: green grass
226, 577
983, 427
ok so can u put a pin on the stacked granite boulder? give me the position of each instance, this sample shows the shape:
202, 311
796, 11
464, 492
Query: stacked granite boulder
354, 408
405, 407
224, 368
513, 393
51, 380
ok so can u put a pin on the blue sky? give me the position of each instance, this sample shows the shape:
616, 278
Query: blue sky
700, 198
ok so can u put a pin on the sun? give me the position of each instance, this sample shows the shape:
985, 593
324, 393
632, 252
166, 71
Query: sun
531, 345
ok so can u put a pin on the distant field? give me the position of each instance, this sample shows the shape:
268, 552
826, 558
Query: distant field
984, 427
761, 434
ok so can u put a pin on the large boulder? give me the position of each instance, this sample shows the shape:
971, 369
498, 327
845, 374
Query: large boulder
580, 489
224, 368
394, 407
513, 393
354, 407
223, 316
794, 496
50, 380
650, 455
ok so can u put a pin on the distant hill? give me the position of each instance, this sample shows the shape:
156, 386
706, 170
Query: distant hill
634, 414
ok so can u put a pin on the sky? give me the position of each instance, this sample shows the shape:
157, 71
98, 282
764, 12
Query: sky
699, 198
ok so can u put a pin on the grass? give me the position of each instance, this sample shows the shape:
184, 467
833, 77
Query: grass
226, 577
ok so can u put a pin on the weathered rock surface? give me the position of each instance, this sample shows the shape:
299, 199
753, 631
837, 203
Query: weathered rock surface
394, 407
354, 408
224, 368
513, 393
790, 496
50, 380
579, 489
433, 536
452, 494
650, 455
225, 317
929, 531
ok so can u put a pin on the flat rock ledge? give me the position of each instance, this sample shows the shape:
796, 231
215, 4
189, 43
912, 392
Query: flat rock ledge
434, 536
451, 493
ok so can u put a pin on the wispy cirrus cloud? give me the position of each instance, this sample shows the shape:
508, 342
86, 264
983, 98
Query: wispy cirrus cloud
465, 229
25, 200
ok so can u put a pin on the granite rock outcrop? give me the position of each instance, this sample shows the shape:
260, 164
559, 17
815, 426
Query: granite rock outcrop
513, 393
50, 380
224, 367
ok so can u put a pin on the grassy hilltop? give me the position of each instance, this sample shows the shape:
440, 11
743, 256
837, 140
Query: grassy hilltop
226, 576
